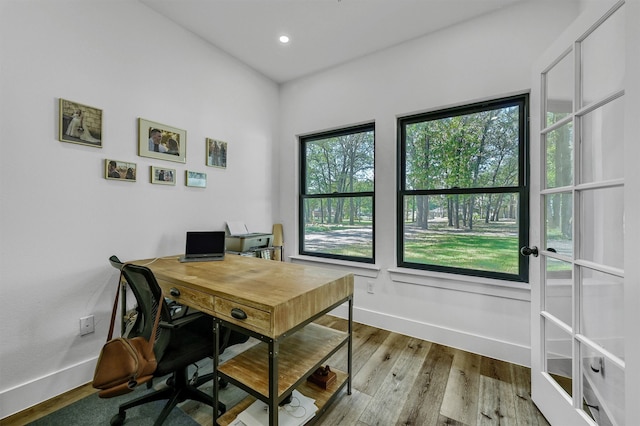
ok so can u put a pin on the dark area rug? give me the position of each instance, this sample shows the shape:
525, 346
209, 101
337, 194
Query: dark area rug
92, 410
97, 411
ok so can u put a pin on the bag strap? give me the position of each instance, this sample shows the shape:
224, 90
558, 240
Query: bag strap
115, 307
154, 331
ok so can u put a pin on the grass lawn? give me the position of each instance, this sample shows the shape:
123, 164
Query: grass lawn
497, 253
490, 246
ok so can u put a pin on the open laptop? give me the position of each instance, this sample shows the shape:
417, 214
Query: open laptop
203, 246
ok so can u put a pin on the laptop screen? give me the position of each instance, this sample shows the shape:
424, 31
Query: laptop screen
205, 243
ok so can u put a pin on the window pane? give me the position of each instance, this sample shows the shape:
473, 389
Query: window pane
340, 164
559, 223
558, 352
559, 84
558, 299
603, 389
603, 59
602, 143
603, 309
559, 156
602, 226
477, 232
340, 226
477, 150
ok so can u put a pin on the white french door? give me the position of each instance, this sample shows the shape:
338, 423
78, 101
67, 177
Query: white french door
578, 199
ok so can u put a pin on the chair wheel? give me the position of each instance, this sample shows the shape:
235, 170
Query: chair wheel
118, 419
222, 383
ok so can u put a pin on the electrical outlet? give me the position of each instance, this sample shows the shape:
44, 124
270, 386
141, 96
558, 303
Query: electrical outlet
370, 287
87, 325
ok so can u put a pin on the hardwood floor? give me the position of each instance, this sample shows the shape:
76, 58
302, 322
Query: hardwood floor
399, 380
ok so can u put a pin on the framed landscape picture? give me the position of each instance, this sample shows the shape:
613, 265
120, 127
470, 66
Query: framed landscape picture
80, 124
196, 179
163, 176
216, 153
161, 142
120, 170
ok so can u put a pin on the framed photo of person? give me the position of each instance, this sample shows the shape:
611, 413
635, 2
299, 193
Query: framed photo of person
196, 179
163, 176
161, 142
216, 153
120, 170
80, 124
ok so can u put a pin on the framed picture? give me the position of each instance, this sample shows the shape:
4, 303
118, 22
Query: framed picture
196, 179
120, 170
163, 176
80, 124
216, 153
162, 142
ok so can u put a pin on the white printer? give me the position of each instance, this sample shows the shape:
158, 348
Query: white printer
239, 239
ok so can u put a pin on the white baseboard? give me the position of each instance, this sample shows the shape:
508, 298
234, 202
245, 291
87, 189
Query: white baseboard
482, 345
29, 394
44, 388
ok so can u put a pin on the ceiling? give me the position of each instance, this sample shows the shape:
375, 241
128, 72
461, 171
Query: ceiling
323, 33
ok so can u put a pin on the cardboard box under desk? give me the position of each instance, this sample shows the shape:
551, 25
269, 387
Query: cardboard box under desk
248, 242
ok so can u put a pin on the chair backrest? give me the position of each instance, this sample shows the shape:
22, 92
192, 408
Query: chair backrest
148, 295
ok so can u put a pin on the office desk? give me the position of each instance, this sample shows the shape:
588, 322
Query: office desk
275, 302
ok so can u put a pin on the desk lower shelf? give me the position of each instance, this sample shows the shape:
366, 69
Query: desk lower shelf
299, 353
322, 397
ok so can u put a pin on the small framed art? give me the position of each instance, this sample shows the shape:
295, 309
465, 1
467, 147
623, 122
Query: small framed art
216, 153
120, 170
163, 176
161, 142
196, 179
80, 124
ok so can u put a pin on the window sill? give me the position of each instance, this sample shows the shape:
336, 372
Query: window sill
361, 269
468, 284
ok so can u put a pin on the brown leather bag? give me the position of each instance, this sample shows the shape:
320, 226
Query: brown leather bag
125, 363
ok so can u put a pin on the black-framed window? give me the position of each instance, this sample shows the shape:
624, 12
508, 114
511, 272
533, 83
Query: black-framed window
463, 194
336, 205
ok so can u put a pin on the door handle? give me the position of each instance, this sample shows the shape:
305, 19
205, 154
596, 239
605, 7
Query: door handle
528, 251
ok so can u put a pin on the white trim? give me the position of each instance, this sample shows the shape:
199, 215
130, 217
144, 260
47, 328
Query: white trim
25, 395
361, 269
464, 283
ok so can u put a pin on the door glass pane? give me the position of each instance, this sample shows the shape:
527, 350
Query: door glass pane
559, 290
558, 353
559, 156
559, 89
559, 222
602, 226
602, 388
602, 143
602, 318
603, 59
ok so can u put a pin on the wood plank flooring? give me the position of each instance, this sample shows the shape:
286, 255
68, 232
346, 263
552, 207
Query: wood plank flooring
399, 380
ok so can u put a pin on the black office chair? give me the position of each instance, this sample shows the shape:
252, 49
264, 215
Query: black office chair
181, 340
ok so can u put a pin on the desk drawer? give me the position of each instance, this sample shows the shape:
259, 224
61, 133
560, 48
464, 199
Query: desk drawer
189, 297
245, 316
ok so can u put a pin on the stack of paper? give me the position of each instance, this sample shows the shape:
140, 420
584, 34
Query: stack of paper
298, 412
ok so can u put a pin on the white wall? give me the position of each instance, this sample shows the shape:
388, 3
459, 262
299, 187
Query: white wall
60, 219
483, 58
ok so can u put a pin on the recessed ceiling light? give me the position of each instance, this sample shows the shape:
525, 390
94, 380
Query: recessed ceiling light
284, 39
